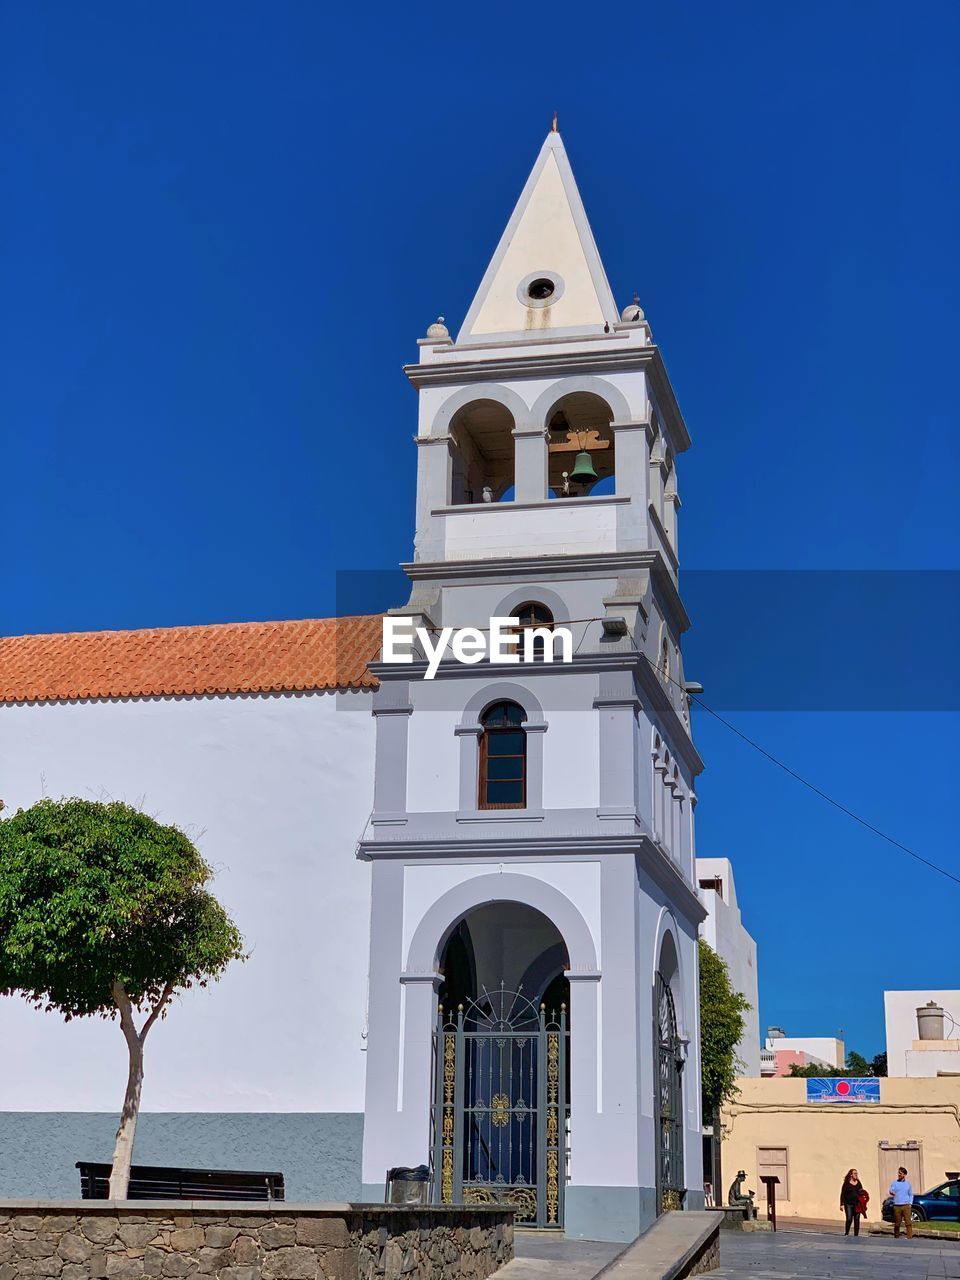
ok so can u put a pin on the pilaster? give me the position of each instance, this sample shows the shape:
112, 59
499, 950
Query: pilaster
433, 491
530, 463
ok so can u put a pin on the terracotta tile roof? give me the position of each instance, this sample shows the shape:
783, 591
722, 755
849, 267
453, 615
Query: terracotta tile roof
233, 657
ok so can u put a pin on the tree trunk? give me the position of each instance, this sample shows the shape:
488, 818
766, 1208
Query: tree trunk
123, 1150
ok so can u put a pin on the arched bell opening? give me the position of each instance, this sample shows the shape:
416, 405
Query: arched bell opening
501, 1083
482, 453
582, 446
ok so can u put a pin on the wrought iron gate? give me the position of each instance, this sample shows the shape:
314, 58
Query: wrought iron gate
669, 1100
500, 1106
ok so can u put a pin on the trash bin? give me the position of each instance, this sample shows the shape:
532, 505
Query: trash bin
407, 1186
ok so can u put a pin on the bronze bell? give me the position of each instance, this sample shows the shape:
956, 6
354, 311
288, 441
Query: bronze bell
583, 472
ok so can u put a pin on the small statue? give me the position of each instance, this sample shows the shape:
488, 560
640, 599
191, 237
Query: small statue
737, 1198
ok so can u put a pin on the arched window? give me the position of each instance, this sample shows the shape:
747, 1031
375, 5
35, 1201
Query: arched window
531, 615
503, 758
664, 661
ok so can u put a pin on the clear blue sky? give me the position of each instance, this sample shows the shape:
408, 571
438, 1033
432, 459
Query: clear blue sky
224, 226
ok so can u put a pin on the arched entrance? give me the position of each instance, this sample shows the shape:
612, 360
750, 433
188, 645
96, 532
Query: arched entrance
500, 1064
669, 1084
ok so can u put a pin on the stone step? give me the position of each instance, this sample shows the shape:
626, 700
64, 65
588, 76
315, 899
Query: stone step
678, 1245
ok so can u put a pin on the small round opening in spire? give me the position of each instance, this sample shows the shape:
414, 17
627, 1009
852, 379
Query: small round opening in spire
541, 289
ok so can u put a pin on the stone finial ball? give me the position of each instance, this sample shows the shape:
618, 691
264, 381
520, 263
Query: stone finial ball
438, 331
632, 312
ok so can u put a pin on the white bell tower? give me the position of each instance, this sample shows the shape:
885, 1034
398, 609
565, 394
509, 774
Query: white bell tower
533, 825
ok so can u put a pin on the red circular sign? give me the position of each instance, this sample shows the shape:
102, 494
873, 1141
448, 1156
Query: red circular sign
843, 1087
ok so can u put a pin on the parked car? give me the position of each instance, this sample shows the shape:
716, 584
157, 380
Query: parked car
942, 1204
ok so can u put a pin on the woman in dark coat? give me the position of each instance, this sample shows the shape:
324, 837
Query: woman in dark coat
853, 1201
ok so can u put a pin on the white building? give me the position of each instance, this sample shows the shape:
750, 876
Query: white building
923, 1032
724, 931
781, 1051
515, 844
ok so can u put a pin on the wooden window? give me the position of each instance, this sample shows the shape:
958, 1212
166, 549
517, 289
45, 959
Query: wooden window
775, 1160
503, 757
530, 615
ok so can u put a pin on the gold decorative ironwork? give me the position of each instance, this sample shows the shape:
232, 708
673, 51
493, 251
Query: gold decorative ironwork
670, 1200
476, 1141
478, 1195
525, 1198
448, 1125
553, 1068
500, 1110
553, 1127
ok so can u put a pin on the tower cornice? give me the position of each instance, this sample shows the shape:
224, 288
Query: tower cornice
526, 568
640, 846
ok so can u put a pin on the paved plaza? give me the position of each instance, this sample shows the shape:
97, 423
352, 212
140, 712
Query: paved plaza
788, 1255
805, 1255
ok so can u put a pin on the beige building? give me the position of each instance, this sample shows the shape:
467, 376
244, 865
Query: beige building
772, 1128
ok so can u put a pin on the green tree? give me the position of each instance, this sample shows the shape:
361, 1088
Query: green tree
721, 1026
104, 913
856, 1065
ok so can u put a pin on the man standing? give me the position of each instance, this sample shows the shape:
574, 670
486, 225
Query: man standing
902, 1193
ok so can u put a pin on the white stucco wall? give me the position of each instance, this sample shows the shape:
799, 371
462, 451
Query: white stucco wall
276, 791
578, 526
571, 744
900, 1018
724, 931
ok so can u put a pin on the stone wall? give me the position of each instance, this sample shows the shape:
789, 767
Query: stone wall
706, 1258
108, 1240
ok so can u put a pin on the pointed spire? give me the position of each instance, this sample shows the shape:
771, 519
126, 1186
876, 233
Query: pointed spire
546, 275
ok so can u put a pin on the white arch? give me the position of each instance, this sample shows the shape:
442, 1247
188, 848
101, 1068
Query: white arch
439, 919
502, 691
667, 925
515, 406
617, 401
538, 595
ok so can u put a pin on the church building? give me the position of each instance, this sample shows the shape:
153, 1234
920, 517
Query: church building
470, 900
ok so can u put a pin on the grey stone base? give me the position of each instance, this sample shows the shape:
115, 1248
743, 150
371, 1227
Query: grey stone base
318, 1153
608, 1213
123, 1240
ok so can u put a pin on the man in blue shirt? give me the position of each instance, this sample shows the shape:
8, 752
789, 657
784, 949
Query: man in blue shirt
902, 1193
